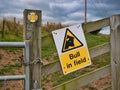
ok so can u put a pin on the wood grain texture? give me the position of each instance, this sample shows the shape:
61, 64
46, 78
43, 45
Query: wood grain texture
93, 26
33, 33
99, 50
84, 79
115, 51
95, 51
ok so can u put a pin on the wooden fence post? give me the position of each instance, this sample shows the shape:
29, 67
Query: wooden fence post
115, 51
15, 28
8, 25
32, 26
3, 28
14, 20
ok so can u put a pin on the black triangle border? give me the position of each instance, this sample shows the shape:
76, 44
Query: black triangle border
67, 29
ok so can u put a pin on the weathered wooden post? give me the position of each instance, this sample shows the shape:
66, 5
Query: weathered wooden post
32, 23
115, 51
15, 26
3, 28
14, 21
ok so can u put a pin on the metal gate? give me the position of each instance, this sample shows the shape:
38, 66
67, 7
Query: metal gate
24, 77
32, 33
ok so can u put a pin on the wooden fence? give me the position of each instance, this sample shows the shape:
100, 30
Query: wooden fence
113, 46
10, 25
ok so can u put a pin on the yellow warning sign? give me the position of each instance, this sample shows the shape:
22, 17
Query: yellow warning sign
75, 59
72, 48
70, 41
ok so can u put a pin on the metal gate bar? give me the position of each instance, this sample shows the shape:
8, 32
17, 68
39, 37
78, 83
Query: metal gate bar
15, 77
12, 44
27, 68
25, 77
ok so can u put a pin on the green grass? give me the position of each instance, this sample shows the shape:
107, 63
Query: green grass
9, 68
1, 56
101, 60
44, 33
48, 46
7, 88
94, 40
48, 50
1, 83
10, 36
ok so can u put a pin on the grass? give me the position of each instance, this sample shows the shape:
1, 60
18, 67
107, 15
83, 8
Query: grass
94, 40
10, 36
0, 56
48, 50
9, 68
1, 83
101, 60
44, 33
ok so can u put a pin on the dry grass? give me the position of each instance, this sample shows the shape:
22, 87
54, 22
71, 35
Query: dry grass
50, 26
11, 25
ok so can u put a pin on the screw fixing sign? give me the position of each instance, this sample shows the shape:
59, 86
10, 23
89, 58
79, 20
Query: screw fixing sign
72, 48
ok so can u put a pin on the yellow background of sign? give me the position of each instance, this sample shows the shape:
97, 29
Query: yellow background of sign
65, 59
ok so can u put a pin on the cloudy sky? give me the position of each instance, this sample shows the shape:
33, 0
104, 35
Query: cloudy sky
65, 11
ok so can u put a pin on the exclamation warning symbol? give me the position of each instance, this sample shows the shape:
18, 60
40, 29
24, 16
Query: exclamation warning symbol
70, 41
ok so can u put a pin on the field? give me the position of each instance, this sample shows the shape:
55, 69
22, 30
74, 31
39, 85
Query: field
9, 58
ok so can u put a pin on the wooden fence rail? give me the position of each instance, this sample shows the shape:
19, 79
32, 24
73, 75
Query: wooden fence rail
95, 51
96, 25
84, 79
114, 23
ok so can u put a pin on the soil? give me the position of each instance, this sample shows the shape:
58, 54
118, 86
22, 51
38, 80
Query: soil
7, 57
97, 85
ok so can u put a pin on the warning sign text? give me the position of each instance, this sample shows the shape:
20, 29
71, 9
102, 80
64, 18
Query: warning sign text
75, 59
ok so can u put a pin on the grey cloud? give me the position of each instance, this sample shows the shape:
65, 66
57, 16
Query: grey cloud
103, 8
62, 10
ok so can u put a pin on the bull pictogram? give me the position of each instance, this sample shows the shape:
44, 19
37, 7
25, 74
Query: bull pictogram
70, 41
